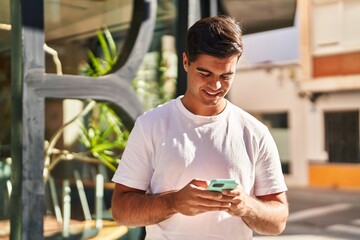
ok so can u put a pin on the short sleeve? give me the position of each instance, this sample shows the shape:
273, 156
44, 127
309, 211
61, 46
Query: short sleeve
135, 168
269, 178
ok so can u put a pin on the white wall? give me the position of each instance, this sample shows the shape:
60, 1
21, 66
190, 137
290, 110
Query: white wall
275, 89
335, 26
269, 46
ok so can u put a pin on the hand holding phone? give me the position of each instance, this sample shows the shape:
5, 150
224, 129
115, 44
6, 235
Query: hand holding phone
218, 185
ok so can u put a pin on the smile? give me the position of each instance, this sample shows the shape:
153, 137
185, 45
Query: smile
213, 93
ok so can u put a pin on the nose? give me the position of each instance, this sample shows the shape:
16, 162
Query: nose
215, 83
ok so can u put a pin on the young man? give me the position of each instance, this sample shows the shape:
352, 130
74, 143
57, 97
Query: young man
175, 150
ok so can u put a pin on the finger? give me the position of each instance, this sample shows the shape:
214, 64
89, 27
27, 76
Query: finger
228, 198
218, 196
214, 206
200, 183
202, 209
233, 193
213, 203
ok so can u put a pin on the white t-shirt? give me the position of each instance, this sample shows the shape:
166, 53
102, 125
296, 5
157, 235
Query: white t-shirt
169, 146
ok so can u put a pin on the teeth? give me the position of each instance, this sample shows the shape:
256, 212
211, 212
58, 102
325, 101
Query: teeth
212, 93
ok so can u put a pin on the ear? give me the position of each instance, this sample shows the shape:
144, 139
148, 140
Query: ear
185, 61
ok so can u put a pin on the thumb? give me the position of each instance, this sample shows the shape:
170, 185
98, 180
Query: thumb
200, 183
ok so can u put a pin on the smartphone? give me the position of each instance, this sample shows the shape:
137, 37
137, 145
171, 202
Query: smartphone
218, 185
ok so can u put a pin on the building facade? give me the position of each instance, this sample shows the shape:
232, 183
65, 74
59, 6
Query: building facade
316, 91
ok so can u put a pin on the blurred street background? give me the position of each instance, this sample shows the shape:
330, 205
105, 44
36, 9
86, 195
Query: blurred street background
320, 214
299, 75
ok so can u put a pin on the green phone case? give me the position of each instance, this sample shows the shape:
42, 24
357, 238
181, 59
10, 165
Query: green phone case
218, 185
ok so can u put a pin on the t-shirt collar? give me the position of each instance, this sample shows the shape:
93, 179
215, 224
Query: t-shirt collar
199, 118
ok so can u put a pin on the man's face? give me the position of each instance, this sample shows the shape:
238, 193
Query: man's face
209, 80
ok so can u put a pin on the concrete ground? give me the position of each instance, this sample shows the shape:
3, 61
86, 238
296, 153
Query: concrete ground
321, 214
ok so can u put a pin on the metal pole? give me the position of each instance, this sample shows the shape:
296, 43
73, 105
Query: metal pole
16, 116
27, 198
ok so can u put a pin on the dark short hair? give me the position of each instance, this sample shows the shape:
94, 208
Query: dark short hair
219, 36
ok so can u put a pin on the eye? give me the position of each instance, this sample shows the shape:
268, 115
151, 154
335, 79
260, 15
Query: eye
226, 77
202, 74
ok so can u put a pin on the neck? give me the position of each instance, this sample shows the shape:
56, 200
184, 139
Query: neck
204, 110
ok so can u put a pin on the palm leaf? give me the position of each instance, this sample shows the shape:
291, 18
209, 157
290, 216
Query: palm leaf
106, 160
111, 45
104, 47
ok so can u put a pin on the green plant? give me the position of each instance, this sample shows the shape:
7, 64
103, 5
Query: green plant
104, 136
99, 66
102, 131
155, 81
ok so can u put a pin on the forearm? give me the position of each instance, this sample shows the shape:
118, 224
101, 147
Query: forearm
136, 209
266, 217
132, 207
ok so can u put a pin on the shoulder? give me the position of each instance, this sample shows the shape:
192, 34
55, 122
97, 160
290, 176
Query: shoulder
246, 120
157, 117
158, 112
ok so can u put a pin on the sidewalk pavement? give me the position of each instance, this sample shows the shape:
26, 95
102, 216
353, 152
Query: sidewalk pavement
321, 214
328, 195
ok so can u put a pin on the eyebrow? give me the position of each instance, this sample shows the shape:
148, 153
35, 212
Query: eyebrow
208, 71
203, 70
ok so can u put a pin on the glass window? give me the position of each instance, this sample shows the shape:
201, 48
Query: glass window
279, 129
71, 32
71, 29
154, 84
342, 136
